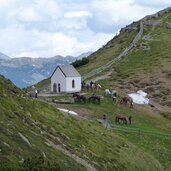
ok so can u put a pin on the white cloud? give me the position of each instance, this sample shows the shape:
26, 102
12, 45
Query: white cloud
66, 27
73, 14
110, 13
154, 3
6, 3
27, 15
49, 8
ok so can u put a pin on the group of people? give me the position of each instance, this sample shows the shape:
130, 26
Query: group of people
92, 85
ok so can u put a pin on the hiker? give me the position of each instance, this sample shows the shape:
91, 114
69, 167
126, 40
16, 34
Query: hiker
104, 117
91, 83
130, 119
36, 93
105, 122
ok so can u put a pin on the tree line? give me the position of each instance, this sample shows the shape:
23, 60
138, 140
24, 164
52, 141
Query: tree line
80, 62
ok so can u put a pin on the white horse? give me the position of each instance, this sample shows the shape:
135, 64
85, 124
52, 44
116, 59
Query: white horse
107, 92
110, 92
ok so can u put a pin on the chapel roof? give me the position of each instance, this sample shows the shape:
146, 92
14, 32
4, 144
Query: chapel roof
68, 71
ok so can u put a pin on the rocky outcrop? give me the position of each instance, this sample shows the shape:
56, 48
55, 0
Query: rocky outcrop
156, 15
24, 139
158, 23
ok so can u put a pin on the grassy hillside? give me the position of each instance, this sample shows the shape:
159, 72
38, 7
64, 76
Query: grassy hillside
150, 133
28, 125
23, 132
109, 51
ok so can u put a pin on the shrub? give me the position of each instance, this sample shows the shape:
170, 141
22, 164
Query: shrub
80, 62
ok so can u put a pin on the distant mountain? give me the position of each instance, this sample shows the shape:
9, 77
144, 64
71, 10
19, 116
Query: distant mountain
26, 71
86, 54
3, 56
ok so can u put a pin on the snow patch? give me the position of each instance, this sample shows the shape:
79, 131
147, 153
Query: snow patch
139, 97
67, 111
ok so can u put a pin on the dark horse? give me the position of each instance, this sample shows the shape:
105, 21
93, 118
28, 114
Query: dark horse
94, 98
121, 119
79, 97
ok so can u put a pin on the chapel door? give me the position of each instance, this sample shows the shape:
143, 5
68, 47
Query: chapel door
54, 88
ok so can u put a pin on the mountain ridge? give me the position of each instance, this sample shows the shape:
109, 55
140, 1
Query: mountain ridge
26, 71
3, 56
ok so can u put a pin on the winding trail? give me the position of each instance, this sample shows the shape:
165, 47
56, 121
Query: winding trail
123, 53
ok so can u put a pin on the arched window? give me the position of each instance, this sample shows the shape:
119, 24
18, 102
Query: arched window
73, 83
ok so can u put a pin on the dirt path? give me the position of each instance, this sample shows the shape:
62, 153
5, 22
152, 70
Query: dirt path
102, 77
79, 160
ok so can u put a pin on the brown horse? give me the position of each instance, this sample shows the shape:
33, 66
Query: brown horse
79, 97
125, 100
121, 119
96, 86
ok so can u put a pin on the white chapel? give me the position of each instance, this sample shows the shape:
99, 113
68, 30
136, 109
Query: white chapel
65, 79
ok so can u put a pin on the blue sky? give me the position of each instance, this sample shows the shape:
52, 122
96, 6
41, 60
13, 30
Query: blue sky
45, 28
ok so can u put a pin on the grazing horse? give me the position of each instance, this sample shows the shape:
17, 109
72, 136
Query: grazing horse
96, 86
125, 100
94, 98
107, 92
110, 92
79, 97
121, 119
